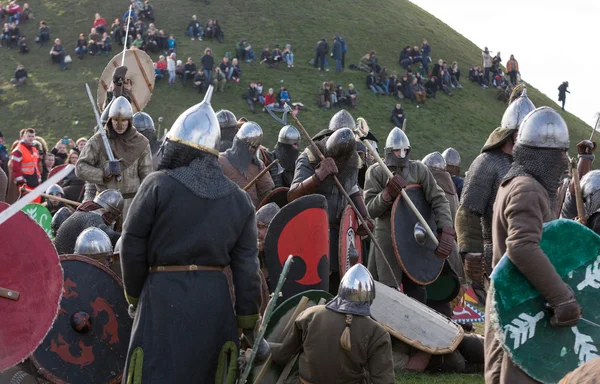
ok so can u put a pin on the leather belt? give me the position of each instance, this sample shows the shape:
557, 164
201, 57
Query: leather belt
184, 268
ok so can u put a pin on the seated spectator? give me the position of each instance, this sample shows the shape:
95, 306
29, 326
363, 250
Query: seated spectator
443, 81
421, 70
23, 45
393, 86
237, 70
58, 54
14, 34
93, 39
437, 68
382, 81
421, 80
27, 13
20, 76
419, 92
208, 62
340, 96
209, 29
152, 31
259, 92
106, 43
284, 96
277, 54
128, 15
372, 84
406, 88
5, 39
219, 34
226, 67
431, 87
455, 75
179, 69
270, 101
139, 27
352, 96
14, 12
500, 81
425, 57
130, 35
171, 68
244, 51
324, 98
138, 42
163, 41
251, 96
288, 56
81, 46
117, 32
333, 95
200, 81
415, 53
406, 58
218, 80
148, 12
161, 65
172, 44
194, 29
367, 63
189, 70
476, 75
265, 57
158, 74
398, 115
99, 24
496, 64
137, 7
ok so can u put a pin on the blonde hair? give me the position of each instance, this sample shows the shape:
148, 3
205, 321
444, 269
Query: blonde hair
345, 341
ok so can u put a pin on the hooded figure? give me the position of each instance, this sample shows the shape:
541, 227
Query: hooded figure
340, 342
241, 164
130, 149
187, 223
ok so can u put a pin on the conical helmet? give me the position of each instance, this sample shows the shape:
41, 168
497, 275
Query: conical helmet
93, 241
340, 144
452, 157
516, 111
110, 199
397, 140
226, 119
590, 183
357, 285
55, 190
435, 160
289, 135
60, 217
544, 128
120, 109
342, 119
198, 127
251, 134
143, 122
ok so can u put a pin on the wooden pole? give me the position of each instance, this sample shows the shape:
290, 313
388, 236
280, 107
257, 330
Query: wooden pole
578, 195
261, 174
62, 200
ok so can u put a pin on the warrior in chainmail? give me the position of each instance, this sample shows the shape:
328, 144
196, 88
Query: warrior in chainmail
585, 153
120, 86
100, 213
241, 164
229, 127
452, 158
54, 205
145, 125
380, 194
315, 176
526, 200
59, 218
286, 151
474, 216
186, 225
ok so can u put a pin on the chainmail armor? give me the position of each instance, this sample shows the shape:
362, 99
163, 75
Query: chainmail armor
340, 305
227, 135
67, 233
240, 157
287, 156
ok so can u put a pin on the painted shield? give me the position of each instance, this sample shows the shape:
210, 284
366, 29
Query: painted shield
300, 229
56, 169
89, 339
277, 196
547, 353
140, 70
40, 215
279, 324
415, 252
348, 240
32, 274
445, 288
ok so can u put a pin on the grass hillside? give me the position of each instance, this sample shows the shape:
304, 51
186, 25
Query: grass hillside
53, 100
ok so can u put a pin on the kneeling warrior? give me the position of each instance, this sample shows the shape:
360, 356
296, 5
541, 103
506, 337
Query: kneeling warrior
187, 223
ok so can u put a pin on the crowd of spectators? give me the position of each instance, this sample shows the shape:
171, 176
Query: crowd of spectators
331, 95
254, 95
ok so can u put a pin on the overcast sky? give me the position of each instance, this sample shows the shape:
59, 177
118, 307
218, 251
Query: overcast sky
553, 41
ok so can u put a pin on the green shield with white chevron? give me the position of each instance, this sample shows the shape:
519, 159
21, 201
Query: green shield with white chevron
40, 215
548, 353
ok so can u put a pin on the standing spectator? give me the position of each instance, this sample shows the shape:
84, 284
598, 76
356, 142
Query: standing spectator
219, 80
171, 68
27, 13
172, 44
352, 96
288, 56
138, 7
431, 87
562, 93
4, 156
208, 62
60, 151
189, 70
419, 92
344, 50
237, 70
117, 32
99, 24
226, 67
94, 38
73, 185
251, 96
398, 115
58, 54
496, 63
162, 41
372, 84
47, 165
23, 45
20, 76
321, 51
487, 65
425, 56
512, 67
194, 29
80, 144
81, 46
25, 162
337, 54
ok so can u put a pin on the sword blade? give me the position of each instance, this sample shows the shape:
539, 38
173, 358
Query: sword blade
589, 322
109, 151
126, 36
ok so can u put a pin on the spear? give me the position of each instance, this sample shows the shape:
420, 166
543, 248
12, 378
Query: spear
126, 35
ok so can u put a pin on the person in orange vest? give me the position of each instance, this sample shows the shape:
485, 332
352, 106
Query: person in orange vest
25, 160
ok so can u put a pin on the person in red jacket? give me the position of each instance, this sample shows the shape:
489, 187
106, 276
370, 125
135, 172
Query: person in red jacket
25, 159
99, 24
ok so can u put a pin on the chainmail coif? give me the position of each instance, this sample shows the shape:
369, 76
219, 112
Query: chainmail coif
287, 155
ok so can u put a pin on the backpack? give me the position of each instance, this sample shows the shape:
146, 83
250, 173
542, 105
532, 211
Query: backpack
344, 48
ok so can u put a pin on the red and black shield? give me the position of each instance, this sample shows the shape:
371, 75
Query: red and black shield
415, 250
277, 196
30, 287
89, 339
300, 229
56, 169
348, 240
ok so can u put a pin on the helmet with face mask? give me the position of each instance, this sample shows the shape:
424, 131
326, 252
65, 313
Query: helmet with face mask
397, 141
120, 109
251, 134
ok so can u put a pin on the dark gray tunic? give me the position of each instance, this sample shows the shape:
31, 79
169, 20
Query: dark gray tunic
67, 234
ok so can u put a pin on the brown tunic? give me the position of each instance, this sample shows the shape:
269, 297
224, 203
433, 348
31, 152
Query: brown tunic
588, 373
316, 336
262, 186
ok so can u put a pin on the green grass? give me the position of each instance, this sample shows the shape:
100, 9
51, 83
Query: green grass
53, 100
426, 378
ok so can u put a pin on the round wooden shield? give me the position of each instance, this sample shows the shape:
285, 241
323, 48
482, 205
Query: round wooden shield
548, 353
56, 169
277, 196
30, 287
40, 215
348, 239
140, 70
300, 229
445, 288
280, 322
89, 339
418, 261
